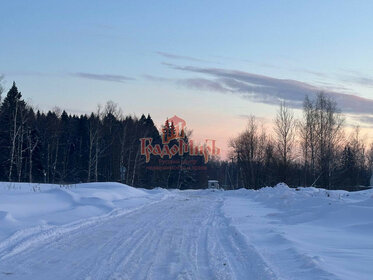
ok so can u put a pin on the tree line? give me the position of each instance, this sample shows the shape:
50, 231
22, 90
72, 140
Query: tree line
315, 150
57, 147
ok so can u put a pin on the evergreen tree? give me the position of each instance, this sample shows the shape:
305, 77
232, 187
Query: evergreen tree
12, 122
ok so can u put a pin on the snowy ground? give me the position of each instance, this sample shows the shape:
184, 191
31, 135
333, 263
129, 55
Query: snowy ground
307, 233
113, 231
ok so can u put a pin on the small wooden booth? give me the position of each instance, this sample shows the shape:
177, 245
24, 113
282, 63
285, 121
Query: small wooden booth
213, 184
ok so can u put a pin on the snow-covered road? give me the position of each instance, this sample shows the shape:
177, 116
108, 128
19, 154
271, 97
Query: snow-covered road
113, 231
185, 236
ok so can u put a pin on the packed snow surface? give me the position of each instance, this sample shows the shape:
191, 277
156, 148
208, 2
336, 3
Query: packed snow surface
113, 231
307, 233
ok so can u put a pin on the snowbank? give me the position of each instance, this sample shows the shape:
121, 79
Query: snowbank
43, 210
303, 230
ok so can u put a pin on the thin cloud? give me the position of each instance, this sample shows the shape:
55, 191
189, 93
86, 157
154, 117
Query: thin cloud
314, 73
180, 57
269, 90
364, 81
29, 73
157, 78
203, 84
103, 77
356, 77
366, 120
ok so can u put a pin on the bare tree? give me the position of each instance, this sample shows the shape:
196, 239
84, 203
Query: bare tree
307, 133
285, 132
370, 163
32, 144
17, 133
329, 124
95, 150
357, 145
93, 142
321, 133
112, 108
251, 149
21, 148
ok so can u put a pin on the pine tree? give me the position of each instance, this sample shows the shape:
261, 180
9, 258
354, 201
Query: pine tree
12, 122
172, 131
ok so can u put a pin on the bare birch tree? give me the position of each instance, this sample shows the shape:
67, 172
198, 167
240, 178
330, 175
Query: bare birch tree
285, 133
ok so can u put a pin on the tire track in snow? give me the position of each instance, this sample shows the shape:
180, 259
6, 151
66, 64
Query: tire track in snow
182, 237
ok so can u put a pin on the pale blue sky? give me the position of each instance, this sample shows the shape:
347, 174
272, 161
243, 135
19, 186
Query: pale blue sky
182, 57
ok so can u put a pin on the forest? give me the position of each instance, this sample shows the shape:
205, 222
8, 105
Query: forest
57, 147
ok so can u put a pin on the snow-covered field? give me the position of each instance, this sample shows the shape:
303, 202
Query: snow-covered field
113, 231
307, 233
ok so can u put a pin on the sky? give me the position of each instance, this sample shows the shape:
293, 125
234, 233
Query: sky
212, 63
